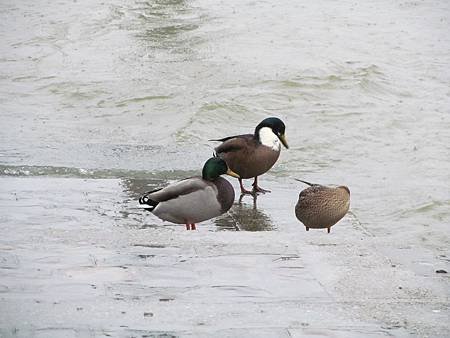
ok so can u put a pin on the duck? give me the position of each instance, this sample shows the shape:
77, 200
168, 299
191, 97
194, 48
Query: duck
251, 155
321, 207
194, 199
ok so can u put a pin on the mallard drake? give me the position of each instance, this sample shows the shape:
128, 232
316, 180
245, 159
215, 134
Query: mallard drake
321, 207
195, 199
251, 155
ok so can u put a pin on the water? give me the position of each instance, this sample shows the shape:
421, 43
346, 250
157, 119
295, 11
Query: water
101, 101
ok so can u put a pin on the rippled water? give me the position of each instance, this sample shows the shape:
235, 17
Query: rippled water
132, 91
363, 89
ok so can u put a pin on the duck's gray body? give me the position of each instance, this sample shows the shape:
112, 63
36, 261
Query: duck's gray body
191, 200
245, 155
321, 207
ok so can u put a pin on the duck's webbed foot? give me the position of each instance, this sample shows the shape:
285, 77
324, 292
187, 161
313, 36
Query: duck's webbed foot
257, 189
243, 190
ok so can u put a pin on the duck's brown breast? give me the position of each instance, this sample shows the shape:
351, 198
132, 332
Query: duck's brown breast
225, 193
254, 160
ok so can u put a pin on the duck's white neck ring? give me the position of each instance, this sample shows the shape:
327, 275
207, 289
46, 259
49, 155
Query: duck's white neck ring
268, 138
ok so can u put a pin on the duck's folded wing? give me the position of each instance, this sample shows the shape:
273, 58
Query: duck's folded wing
233, 143
177, 189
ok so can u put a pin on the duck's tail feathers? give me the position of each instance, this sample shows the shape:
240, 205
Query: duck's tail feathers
310, 184
148, 203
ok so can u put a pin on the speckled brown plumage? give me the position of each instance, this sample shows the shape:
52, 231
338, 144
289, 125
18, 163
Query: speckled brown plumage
321, 207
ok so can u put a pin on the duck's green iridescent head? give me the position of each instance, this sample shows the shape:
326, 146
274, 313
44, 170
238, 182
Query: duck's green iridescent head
215, 167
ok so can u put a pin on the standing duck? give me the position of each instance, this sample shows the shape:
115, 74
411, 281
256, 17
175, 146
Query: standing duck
195, 199
251, 155
321, 207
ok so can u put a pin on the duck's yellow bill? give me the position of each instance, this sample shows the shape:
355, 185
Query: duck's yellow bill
283, 140
232, 173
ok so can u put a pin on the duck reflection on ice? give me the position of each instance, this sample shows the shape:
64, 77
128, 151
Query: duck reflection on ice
245, 216
135, 187
129, 210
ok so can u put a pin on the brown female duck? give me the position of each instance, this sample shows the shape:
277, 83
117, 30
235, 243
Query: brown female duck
321, 207
251, 155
